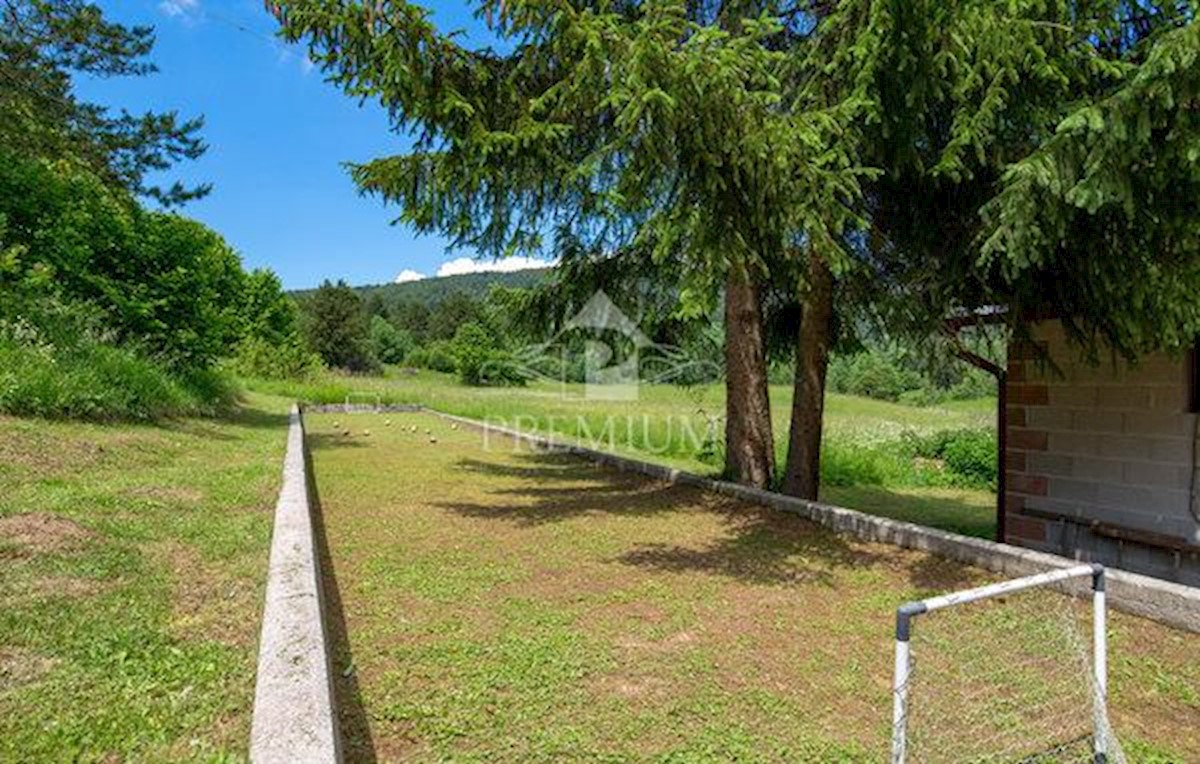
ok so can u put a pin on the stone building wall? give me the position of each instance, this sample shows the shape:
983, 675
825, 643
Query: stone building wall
1100, 459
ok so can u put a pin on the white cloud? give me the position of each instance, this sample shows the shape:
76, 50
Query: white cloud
503, 265
407, 275
179, 7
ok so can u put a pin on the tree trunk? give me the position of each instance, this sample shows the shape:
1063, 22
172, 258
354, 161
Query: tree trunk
802, 474
749, 449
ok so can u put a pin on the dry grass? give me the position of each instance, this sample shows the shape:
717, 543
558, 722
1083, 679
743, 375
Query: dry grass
498, 604
34, 532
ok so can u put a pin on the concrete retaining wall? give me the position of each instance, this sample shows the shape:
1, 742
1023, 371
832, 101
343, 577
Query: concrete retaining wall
294, 718
1170, 603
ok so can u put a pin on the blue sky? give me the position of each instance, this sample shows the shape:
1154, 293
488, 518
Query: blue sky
277, 135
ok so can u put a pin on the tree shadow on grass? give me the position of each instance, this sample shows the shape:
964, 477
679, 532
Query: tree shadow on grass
324, 441
939, 575
759, 545
353, 724
216, 428
544, 466
595, 490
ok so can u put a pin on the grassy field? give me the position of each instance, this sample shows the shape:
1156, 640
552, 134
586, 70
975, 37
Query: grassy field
498, 604
133, 561
864, 460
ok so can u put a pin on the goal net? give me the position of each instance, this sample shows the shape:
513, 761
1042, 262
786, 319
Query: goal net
1007, 673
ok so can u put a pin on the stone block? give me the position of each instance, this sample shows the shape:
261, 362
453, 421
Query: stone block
1068, 489
1077, 396
1123, 397
1048, 418
1159, 423
1030, 485
1158, 474
1075, 443
1124, 447
1049, 463
1171, 450
1090, 468
1028, 440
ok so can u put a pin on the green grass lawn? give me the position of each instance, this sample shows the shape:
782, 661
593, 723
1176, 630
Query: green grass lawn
132, 565
493, 603
667, 424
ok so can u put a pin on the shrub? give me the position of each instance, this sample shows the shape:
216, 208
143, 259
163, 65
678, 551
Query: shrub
479, 360
972, 454
438, 356
975, 383
57, 359
873, 374
388, 344
845, 465
969, 455
256, 357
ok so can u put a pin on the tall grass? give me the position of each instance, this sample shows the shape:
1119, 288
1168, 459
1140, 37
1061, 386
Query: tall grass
93, 380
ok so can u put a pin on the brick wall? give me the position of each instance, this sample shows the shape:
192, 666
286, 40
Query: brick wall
1095, 450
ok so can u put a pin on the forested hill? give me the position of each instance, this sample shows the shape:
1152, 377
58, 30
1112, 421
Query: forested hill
433, 290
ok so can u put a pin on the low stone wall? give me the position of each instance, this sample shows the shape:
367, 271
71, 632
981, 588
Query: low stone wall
360, 408
1170, 603
294, 718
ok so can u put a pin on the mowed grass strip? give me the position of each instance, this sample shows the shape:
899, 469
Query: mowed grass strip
494, 603
132, 565
668, 424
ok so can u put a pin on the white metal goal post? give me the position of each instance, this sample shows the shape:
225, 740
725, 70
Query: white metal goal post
908, 612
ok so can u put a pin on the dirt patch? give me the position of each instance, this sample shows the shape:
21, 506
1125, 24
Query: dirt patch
41, 454
167, 494
19, 667
206, 603
25, 592
632, 687
669, 643
41, 532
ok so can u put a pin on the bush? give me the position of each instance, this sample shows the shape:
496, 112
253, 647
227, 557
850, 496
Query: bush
388, 344
437, 356
973, 455
478, 359
975, 383
57, 359
969, 455
843, 465
256, 357
874, 374
891, 375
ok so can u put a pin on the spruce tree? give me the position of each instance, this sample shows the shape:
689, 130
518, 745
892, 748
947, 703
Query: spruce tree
669, 123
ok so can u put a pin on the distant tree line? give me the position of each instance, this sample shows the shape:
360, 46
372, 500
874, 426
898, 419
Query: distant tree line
479, 337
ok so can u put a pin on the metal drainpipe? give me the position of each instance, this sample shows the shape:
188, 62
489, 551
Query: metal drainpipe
1002, 452
1001, 376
